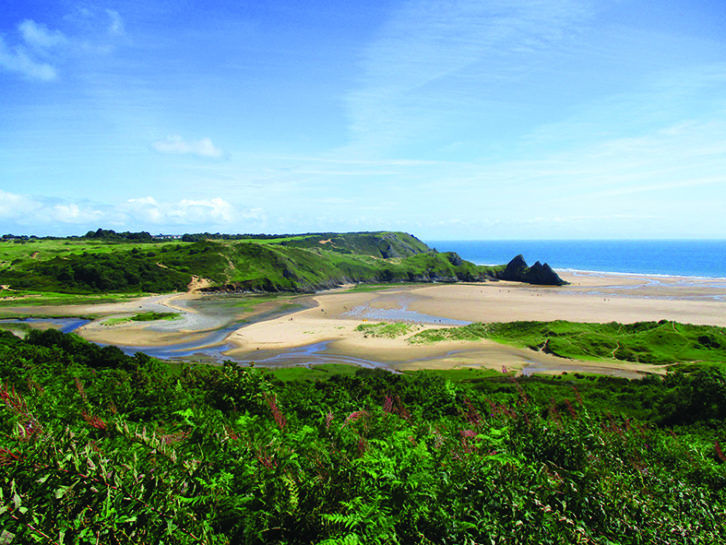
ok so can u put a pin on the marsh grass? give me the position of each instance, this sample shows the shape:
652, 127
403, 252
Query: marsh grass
19, 329
143, 317
364, 288
470, 332
33, 298
389, 330
663, 342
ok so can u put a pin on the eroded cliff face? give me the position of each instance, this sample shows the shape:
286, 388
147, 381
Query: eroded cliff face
540, 274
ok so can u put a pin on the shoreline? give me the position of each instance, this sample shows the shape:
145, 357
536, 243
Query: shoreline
617, 274
326, 328
574, 272
683, 257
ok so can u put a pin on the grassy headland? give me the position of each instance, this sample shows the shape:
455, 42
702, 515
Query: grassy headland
295, 263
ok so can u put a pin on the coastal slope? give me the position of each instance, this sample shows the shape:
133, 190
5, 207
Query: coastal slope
108, 262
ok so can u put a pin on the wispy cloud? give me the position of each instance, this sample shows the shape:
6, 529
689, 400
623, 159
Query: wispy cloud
37, 50
90, 20
175, 144
39, 36
18, 59
430, 40
673, 156
116, 23
29, 57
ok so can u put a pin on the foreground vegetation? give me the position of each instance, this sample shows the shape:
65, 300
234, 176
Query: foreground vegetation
99, 447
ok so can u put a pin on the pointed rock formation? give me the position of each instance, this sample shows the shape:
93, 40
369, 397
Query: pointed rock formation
540, 274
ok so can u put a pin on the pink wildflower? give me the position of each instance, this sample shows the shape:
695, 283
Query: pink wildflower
719, 452
276, 413
352, 417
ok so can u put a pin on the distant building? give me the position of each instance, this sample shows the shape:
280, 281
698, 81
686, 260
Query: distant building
166, 237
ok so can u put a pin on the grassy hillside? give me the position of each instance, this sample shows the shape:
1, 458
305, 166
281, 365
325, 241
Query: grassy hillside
300, 263
99, 447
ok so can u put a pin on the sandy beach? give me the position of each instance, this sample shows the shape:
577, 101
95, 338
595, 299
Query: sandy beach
329, 321
590, 297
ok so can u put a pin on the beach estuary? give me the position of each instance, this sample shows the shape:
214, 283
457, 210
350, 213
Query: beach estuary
326, 327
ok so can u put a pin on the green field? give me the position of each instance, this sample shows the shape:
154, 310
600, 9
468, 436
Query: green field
23, 252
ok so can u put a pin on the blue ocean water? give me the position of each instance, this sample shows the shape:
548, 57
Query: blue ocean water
662, 257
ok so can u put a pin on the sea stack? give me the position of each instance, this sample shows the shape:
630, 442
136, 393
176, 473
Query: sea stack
540, 274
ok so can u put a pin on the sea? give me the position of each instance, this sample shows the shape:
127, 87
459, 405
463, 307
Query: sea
701, 258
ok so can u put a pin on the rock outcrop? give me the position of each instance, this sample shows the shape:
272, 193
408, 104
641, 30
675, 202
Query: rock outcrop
540, 274
454, 259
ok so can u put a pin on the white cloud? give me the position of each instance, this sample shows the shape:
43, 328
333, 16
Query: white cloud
203, 212
29, 211
19, 60
214, 210
38, 36
13, 206
41, 214
72, 213
257, 214
145, 209
175, 144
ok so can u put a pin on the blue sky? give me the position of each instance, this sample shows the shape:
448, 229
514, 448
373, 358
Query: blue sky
468, 119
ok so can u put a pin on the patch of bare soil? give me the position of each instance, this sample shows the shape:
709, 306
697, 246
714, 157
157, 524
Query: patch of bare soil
198, 283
